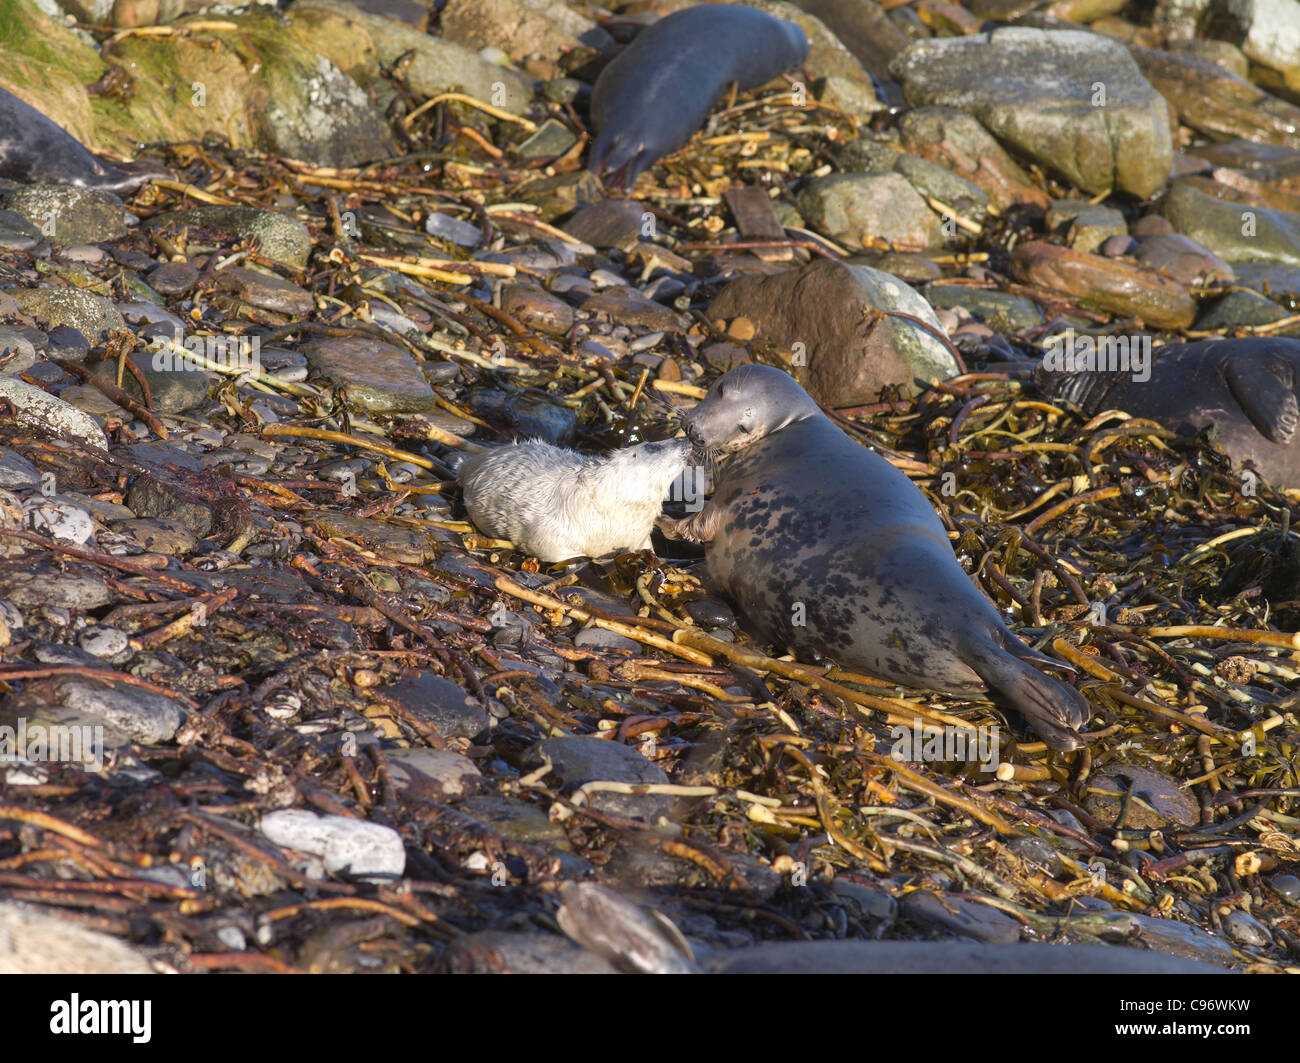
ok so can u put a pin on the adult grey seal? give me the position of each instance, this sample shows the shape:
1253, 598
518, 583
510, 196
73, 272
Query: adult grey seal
556, 504
829, 550
35, 150
658, 91
1249, 388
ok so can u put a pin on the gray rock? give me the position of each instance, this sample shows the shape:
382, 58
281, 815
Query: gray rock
428, 65
16, 472
432, 774
953, 914
65, 214
948, 957
1038, 91
441, 704
91, 315
147, 717
577, 760
283, 238
260, 288
351, 846
33, 941
856, 209
551, 138
1001, 311
1235, 232
16, 232
868, 156
17, 351
67, 589
1088, 225
40, 409
379, 377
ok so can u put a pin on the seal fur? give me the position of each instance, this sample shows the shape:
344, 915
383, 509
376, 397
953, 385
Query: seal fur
658, 91
805, 523
35, 150
556, 504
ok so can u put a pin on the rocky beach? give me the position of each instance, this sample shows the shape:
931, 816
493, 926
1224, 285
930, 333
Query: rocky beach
271, 702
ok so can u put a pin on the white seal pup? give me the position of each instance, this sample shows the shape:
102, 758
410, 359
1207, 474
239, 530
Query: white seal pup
556, 504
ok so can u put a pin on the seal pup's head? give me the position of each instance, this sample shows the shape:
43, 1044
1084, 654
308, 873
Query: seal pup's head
641, 475
745, 405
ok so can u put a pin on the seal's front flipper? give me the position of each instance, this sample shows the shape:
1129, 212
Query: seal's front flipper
701, 528
1055, 711
1264, 387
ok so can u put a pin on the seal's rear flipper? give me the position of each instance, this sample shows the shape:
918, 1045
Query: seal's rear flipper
1055, 711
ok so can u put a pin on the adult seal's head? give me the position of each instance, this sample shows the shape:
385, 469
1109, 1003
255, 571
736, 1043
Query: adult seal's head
744, 406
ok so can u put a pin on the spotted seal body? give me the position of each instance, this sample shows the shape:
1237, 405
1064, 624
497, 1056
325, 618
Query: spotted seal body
35, 150
652, 98
556, 504
1249, 388
807, 524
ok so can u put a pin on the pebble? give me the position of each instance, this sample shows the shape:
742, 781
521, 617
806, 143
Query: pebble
354, 847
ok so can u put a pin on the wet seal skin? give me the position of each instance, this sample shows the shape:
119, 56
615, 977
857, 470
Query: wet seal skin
653, 97
1248, 387
805, 523
35, 150
556, 504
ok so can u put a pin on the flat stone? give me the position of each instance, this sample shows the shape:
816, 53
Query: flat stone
1235, 232
432, 774
1158, 800
258, 288
1184, 259
536, 308
39, 409
610, 223
147, 717
174, 278
66, 588
152, 496
582, 759
861, 209
161, 535
33, 941
351, 846
1105, 284
378, 377
439, 703
16, 472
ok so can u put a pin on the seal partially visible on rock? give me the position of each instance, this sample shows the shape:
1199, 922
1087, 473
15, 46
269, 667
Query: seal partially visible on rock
1249, 388
556, 504
829, 550
35, 150
654, 96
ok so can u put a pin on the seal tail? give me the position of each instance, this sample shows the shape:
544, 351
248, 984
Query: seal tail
1055, 711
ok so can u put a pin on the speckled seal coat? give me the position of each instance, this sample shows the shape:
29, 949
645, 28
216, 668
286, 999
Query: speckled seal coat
653, 97
806, 520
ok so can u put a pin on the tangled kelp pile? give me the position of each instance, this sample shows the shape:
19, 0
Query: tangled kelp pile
277, 609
